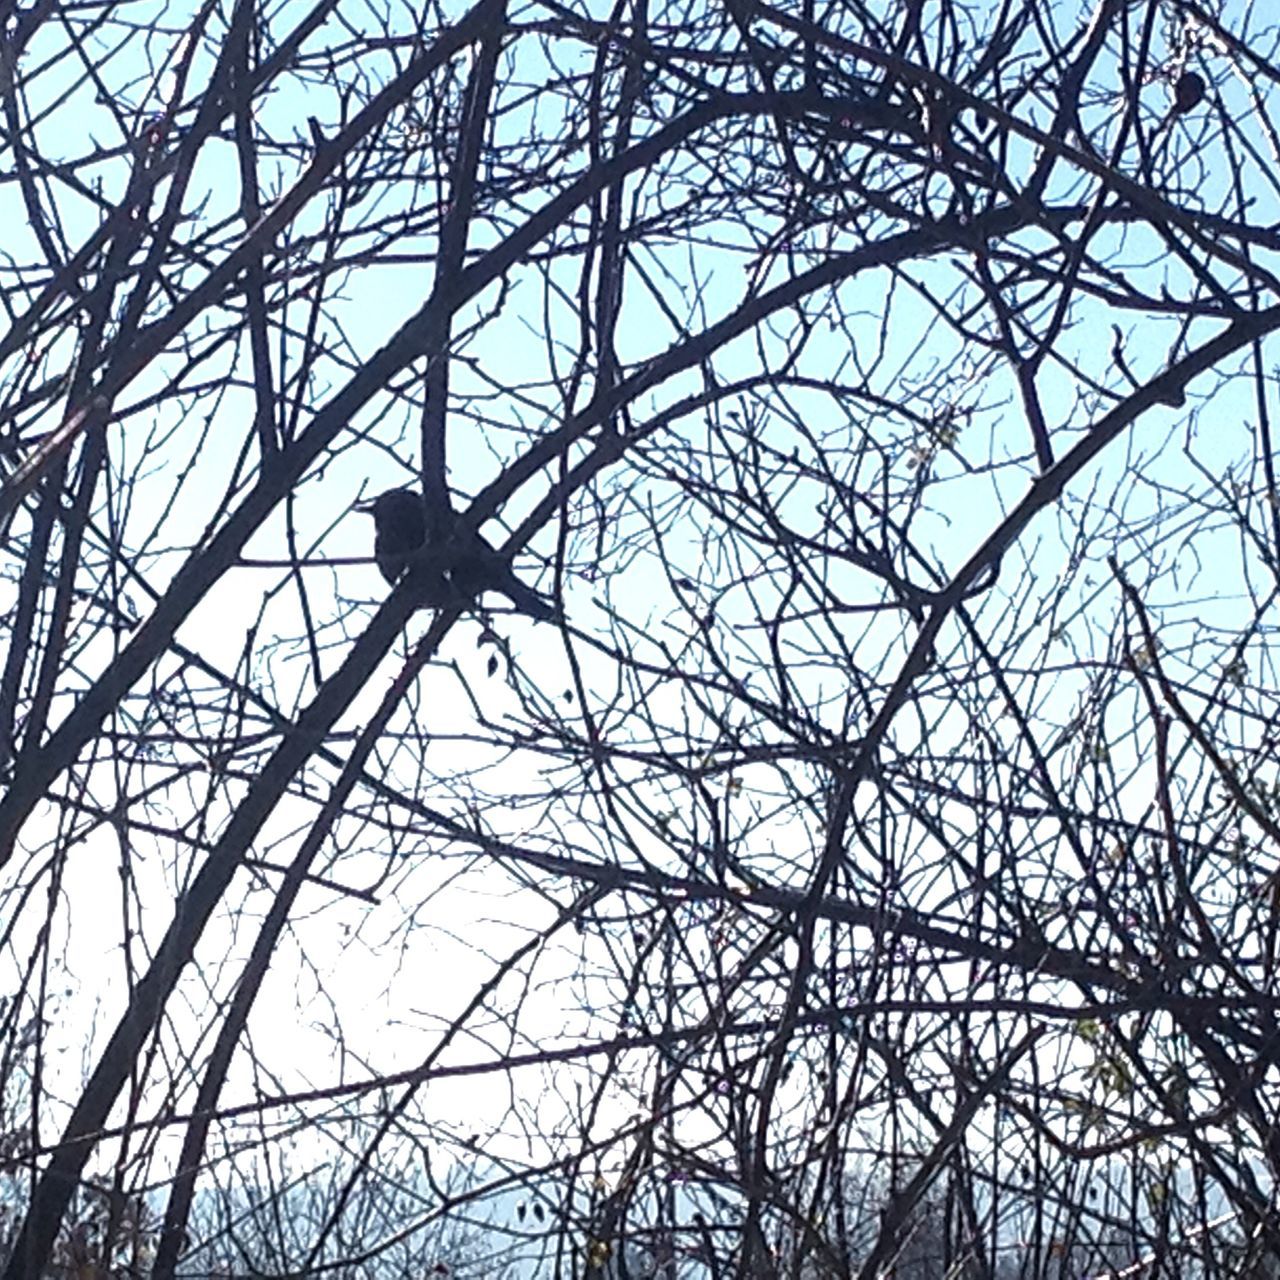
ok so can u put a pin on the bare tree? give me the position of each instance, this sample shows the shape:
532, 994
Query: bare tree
861, 856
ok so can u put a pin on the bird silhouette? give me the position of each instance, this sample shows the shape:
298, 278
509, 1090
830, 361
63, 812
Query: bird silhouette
1188, 92
468, 567
400, 530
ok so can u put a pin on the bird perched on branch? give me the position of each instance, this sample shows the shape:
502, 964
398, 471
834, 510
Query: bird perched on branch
1188, 92
400, 531
467, 565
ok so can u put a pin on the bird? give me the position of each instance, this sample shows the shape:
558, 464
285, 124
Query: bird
1187, 93
469, 565
400, 530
